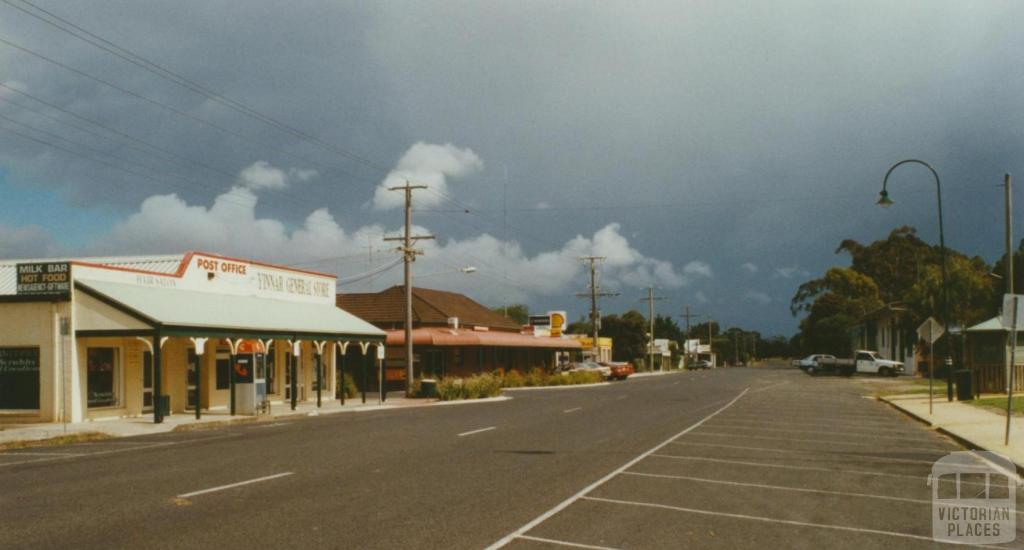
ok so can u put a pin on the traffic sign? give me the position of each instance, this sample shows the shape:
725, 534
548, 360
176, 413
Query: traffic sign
1009, 318
930, 330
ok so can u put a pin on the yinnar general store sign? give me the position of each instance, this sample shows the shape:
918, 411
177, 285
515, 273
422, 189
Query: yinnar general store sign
45, 279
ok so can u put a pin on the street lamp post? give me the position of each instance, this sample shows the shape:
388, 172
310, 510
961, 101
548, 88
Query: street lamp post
884, 200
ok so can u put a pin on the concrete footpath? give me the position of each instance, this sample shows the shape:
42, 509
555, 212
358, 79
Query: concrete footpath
135, 426
976, 426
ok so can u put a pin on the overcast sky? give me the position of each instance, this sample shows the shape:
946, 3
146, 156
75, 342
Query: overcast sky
719, 151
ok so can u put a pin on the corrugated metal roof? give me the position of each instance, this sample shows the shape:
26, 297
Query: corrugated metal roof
995, 323
158, 264
188, 308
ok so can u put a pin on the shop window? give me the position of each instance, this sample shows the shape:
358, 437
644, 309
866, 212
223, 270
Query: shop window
102, 377
147, 380
19, 378
272, 370
223, 372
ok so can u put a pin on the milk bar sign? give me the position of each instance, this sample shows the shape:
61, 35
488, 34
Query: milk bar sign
46, 279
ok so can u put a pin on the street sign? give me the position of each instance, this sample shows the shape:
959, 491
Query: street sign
930, 330
1009, 319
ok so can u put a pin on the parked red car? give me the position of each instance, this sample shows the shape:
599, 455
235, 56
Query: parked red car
620, 371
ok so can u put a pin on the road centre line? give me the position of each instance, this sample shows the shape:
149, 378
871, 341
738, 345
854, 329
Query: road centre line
471, 432
233, 485
565, 543
573, 410
801, 440
582, 493
837, 457
774, 520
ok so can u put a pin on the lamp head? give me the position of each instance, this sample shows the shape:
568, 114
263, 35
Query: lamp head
883, 199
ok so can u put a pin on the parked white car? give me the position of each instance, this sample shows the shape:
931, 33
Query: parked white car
869, 362
812, 360
606, 372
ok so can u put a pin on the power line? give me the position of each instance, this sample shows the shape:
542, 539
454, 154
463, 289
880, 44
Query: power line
104, 44
238, 135
170, 157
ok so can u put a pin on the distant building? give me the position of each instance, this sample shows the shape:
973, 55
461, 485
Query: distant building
604, 346
887, 330
452, 335
988, 353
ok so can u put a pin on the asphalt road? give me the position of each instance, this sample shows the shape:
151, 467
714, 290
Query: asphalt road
730, 458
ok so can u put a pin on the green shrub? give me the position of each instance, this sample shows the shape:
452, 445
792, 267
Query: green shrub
482, 385
475, 387
585, 377
536, 377
348, 385
513, 379
450, 389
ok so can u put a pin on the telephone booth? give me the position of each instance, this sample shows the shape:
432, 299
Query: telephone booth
250, 374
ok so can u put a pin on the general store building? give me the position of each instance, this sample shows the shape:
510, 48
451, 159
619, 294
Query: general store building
157, 335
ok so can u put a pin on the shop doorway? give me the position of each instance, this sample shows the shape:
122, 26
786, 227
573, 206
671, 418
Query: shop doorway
147, 382
193, 376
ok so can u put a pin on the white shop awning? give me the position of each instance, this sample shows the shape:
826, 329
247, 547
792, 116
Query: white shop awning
108, 306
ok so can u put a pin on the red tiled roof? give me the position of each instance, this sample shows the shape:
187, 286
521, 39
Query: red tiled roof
429, 307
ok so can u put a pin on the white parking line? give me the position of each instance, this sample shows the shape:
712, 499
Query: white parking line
829, 426
564, 543
799, 419
773, 520
573, 410
920, 479
779, 487
565, 503
802, 440
769, 449
233, 485
471, 432
727, 426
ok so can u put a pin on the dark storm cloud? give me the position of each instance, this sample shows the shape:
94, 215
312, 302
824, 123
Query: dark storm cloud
723, 133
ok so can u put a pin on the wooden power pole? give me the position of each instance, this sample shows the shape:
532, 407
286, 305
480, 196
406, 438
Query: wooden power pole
594, 293
409, 253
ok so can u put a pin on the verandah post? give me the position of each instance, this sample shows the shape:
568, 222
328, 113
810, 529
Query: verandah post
158, 413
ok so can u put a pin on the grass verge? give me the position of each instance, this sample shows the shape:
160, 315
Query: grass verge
998, 404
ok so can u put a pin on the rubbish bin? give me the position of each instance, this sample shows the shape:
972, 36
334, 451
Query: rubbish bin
428, 387
964, 390
164, 402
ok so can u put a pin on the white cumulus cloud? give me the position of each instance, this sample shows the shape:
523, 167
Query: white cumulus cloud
426, 164
261, 175
749, 267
